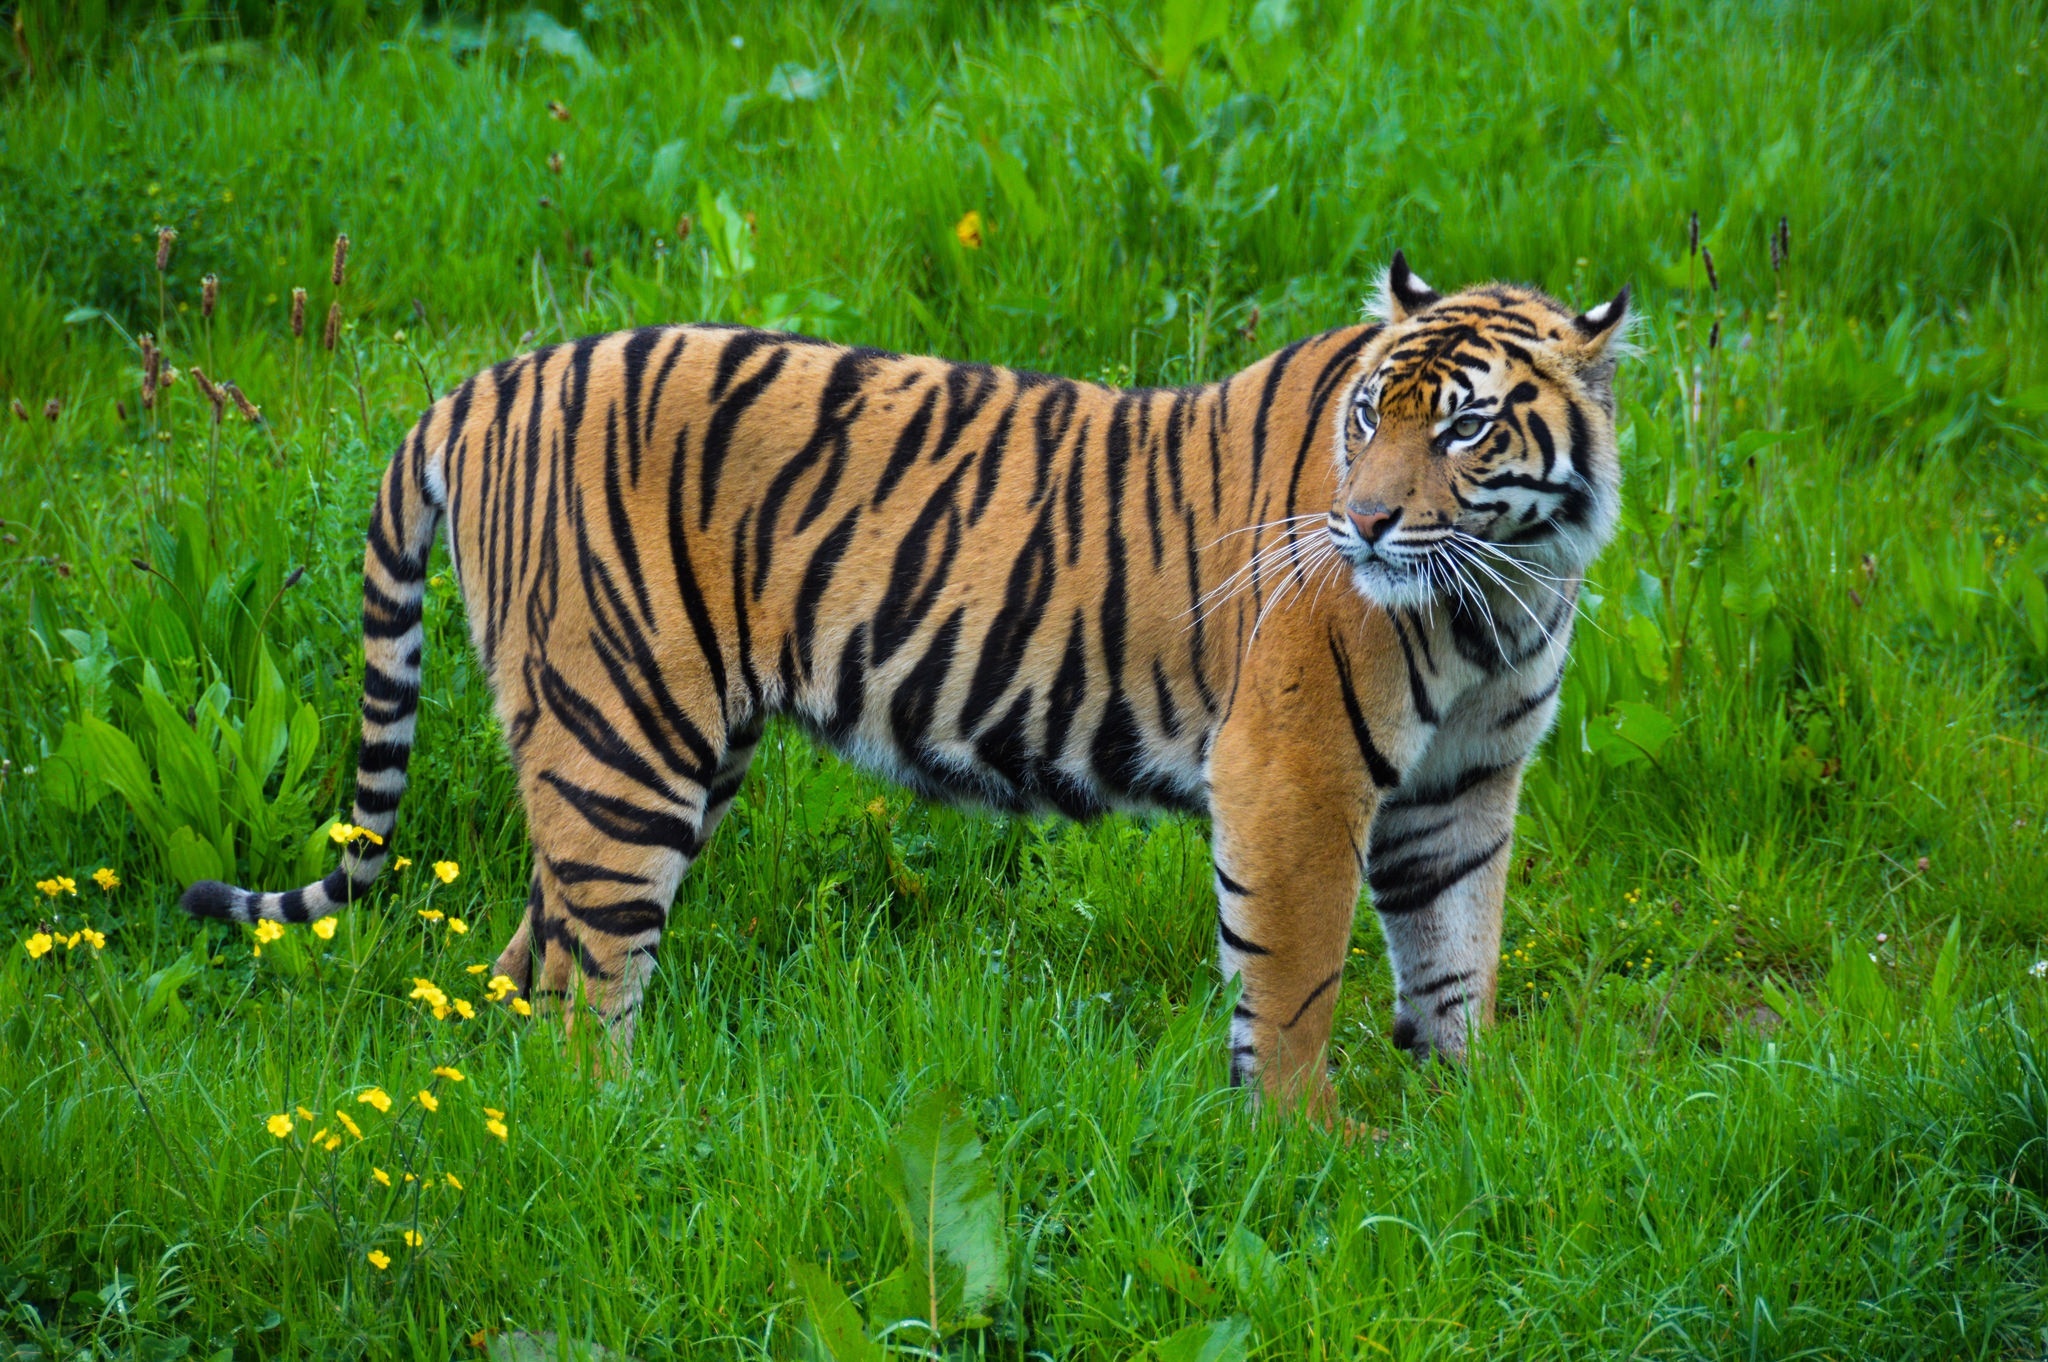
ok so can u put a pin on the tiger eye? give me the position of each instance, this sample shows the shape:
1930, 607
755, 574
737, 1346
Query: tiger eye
1465, 427
1366, 418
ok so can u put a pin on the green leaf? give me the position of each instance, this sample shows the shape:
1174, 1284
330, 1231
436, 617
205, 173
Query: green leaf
1184, 25
792, 83
1016, 187
835, 1324
1940, 1005
303, 742
1629, 732
1165, 1267
115, 759
78, 315
665, 174
1250, 1266
1225, 1340
947, 1202
190, 858
69, 780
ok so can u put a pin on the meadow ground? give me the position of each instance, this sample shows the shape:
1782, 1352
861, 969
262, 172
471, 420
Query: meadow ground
1769, 1077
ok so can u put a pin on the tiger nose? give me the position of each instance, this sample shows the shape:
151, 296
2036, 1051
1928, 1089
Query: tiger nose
1371, 519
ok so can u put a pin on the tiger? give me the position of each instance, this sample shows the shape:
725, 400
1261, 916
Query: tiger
1027, 593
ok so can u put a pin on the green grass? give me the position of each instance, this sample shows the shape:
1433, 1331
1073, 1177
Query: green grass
1737, 1105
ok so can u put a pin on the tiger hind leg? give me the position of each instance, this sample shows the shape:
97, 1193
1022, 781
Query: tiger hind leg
607, 862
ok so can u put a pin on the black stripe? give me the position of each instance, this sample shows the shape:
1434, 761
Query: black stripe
589, 872
1376, 764
1395, 894
725, 420
909, 444
1426, 797
1528, 704
1318, 991
912, 591
1234, 941
694, 606
1438, 984
1223, 878
630, 918
1025, 597
624, 821
817, 577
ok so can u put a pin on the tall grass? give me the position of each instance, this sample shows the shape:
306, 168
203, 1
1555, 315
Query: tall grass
1741, 1103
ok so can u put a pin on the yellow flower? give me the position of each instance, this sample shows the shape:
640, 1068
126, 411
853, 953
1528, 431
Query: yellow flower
381, 1176
349, 1124
443, 1071
62, 884
463, 1009
432, 914
522, 1007
332, 1143
440, 1012
401, 862
376, 1097
457, 925
268, 931
494, 1113
476, 969
412, 1239
38, 945
410, 1178
429, 1101
428, 992
96, 940
106, 879
379, 1259
305, 1115
496, 1128
319, 1135
453, 1181
279, 1125
324, 929
500, 985
71, 941
446, 871
968, 229
344, 833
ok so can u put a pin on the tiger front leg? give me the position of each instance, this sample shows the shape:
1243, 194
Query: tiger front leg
1439, 860
1291, 802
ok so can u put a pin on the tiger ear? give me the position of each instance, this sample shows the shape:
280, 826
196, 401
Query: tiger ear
1600, 334
1402, 294
1598, 326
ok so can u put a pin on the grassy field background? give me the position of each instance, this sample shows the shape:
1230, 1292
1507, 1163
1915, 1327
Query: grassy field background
1770, 1079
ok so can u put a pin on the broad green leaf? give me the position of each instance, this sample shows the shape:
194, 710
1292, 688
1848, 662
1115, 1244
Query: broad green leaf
115, 759
1184, 25
303, 743
946, 1198
1166, 1268
835, 1324
187, 773
1225, 1340
665, 175
901, 1298
1250, 1266
190, 858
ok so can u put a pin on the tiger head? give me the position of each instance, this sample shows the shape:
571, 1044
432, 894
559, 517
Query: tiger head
1477, 441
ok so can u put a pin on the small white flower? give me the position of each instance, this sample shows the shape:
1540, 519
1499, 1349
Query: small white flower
2040, 969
